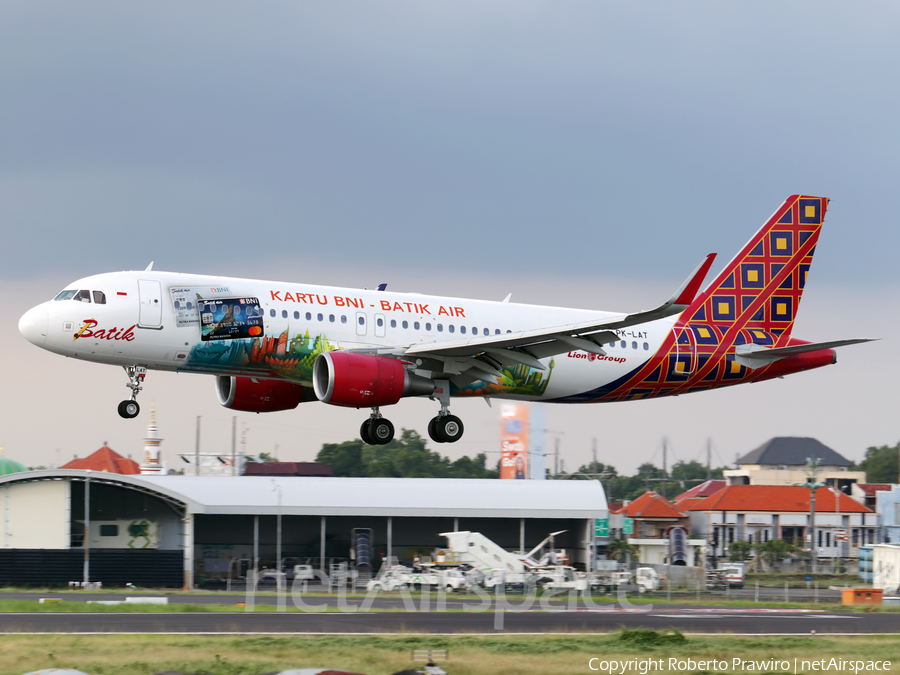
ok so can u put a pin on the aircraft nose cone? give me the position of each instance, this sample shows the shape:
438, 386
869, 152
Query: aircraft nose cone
33, 325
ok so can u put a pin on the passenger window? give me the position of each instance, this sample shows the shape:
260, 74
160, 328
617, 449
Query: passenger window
379, 322
622, 344
309, 316
190, 305
646, 347
66, 295
496, 331
451, 328
440, 328
296, 315
99, 298
362, 320
427, 326
406, 324
272, 312
284, 314
331, 318
634, 345
83, 296
509, 331
474, 330
416, 325
320, 317
393, 323
462, 329
343, 318
487, 331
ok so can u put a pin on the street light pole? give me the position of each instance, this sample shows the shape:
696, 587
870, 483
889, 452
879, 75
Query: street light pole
812, 466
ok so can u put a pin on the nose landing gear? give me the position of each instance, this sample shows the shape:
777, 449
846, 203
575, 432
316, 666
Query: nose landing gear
376, 430
129, 409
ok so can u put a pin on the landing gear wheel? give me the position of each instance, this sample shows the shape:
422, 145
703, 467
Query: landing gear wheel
364, 433
432, 430
129, 409
449, 428
381, 431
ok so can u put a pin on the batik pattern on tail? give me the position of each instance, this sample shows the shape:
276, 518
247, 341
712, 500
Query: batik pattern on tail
754, 299
761, 287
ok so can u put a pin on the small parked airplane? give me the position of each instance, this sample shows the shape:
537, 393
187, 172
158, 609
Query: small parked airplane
272, 345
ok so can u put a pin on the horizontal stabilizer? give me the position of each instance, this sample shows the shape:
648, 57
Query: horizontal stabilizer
757, 356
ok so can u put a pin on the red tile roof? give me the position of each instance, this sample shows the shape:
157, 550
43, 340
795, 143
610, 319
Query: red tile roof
686, 504
706, 489
776, 499
871, 488
652, 505
105, 460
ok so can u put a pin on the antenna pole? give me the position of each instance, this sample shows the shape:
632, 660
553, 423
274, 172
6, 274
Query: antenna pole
197, 449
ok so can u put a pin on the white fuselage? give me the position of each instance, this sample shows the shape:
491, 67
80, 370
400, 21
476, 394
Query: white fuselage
151, 319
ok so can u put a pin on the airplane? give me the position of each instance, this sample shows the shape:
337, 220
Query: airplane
272, 345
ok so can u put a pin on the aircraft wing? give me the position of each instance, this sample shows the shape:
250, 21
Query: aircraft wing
757, 356
527, 347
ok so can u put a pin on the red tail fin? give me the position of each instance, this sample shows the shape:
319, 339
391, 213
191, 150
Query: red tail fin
762, 285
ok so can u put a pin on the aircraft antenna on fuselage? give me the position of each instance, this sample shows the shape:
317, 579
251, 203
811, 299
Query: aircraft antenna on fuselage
149, 267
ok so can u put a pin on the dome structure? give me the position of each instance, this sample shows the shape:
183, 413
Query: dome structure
8, 466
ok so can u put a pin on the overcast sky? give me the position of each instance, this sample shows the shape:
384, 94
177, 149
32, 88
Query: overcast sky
579, 153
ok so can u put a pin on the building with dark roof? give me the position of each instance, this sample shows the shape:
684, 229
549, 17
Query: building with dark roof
287, 469
782, 461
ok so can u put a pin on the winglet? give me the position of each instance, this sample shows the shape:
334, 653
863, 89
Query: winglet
688, 290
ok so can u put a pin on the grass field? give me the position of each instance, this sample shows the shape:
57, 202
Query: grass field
469, 655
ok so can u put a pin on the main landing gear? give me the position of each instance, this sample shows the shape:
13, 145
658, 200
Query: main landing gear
445, 428
376, 430
129, 409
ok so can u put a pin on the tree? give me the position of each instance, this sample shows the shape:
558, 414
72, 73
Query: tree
693, 471
882, 465
739, 551
774, 549
620, 549
404, 457
262, 457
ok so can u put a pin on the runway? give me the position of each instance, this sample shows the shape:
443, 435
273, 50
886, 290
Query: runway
685, 619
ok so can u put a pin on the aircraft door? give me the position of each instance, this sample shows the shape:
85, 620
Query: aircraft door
685, 352
150, 295
360, 323
379, 325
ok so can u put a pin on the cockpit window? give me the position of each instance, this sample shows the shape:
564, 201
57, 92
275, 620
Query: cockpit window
66, 295
99, 297
83, 296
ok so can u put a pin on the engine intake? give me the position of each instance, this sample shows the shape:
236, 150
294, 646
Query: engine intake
251, 395
364, 381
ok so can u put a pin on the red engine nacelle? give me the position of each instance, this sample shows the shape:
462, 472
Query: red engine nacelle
363, 381
252, 395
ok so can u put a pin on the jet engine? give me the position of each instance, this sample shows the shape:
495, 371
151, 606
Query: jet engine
364, 381
252, 395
